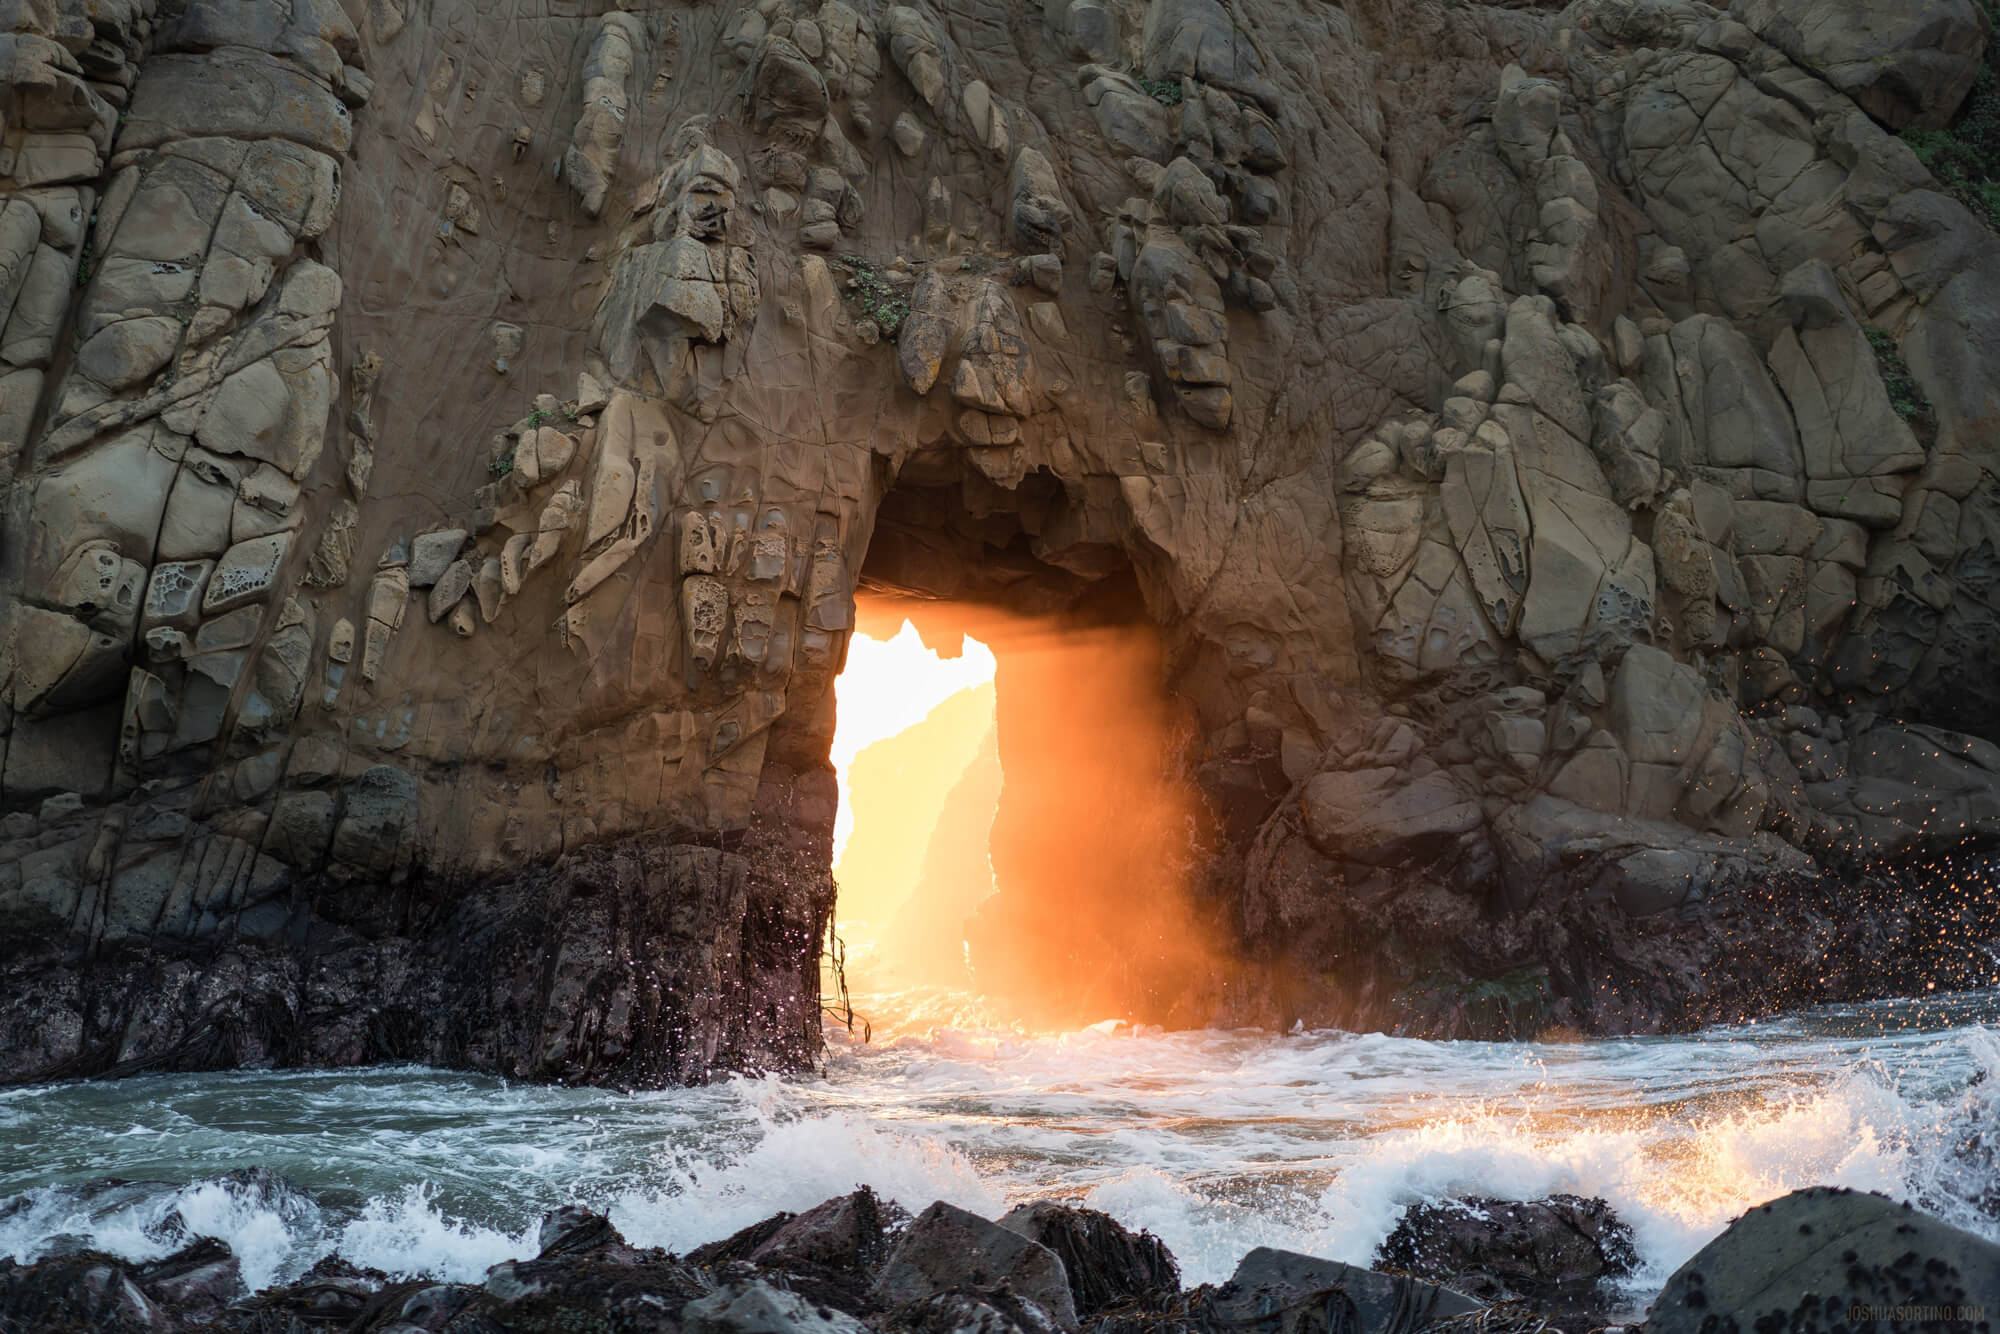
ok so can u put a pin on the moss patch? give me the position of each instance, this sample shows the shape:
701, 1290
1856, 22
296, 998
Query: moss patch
1966, 157
878, 298
1905, 394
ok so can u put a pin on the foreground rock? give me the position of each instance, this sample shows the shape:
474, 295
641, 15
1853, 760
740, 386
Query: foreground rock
1822, 1259
857, 1263
1105, 1264
947, 1249
1559, 1255
1547, 448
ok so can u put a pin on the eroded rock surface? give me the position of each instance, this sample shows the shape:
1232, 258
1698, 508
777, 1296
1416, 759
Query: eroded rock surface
1484, 401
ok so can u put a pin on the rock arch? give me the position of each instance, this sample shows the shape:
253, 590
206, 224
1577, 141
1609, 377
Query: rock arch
429, 544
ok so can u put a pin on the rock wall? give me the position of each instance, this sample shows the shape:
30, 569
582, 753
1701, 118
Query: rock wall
443, 441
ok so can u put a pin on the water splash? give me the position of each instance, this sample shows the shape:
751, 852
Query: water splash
409, 1236
274, 1229
1214, 1141
793, 1162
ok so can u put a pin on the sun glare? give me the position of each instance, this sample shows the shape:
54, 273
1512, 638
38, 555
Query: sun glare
889, 686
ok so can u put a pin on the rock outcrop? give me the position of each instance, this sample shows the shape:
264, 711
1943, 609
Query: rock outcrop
1563, 1255
846, 1266
1817, 1258
1484, 403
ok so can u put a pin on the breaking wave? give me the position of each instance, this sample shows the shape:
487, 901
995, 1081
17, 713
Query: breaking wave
1216, 1141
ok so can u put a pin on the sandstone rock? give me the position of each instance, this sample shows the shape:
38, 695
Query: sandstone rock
1636, 365
449, 588
247, 572
1039, 216
1909, 67
431, 554
591, 158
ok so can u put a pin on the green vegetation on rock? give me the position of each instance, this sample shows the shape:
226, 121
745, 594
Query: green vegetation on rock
879, 299
1905, 395
1966, 157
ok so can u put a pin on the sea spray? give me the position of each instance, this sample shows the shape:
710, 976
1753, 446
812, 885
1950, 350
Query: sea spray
406, 1234
792, 1163
1215, 1141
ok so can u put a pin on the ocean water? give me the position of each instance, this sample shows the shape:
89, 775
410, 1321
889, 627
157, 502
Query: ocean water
1215, 1141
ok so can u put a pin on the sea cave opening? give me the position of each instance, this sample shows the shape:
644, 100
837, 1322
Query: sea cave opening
1017, 819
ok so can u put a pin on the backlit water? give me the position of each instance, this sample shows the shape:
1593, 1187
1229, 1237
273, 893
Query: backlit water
1216, 1141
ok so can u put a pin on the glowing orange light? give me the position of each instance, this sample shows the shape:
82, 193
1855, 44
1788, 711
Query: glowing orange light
889, 686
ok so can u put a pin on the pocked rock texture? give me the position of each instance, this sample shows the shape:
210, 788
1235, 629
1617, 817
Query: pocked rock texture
443, 443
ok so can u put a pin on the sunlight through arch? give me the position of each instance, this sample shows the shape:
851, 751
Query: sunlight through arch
889, 686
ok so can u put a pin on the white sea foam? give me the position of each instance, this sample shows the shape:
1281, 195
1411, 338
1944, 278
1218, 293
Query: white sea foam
794, 1162
1216, 1142
273, 1229
407, 1235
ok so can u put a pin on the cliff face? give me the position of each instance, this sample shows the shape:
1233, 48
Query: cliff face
443, 441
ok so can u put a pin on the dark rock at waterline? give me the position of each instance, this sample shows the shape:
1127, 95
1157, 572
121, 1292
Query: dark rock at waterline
851, 1232
996, 1312
1365, 1301
195, 1282
755, 1307
1804, 1263
333, 1294
648, 957
573, 1230
1559, 1253
948, 1249
830, 1253
1107, 1264
1823, 1259
1274, 1290
86, 1291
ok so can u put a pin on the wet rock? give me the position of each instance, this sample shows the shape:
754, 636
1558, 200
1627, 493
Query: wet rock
1271, 1283
1811, 1257
85, 1291
999, 1312
756, 1307
851, 1234
1559, 1254
1106, 1264
945, 1249
195, 1282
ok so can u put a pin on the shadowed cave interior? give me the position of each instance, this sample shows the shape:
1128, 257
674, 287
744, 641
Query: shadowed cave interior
1046, 862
